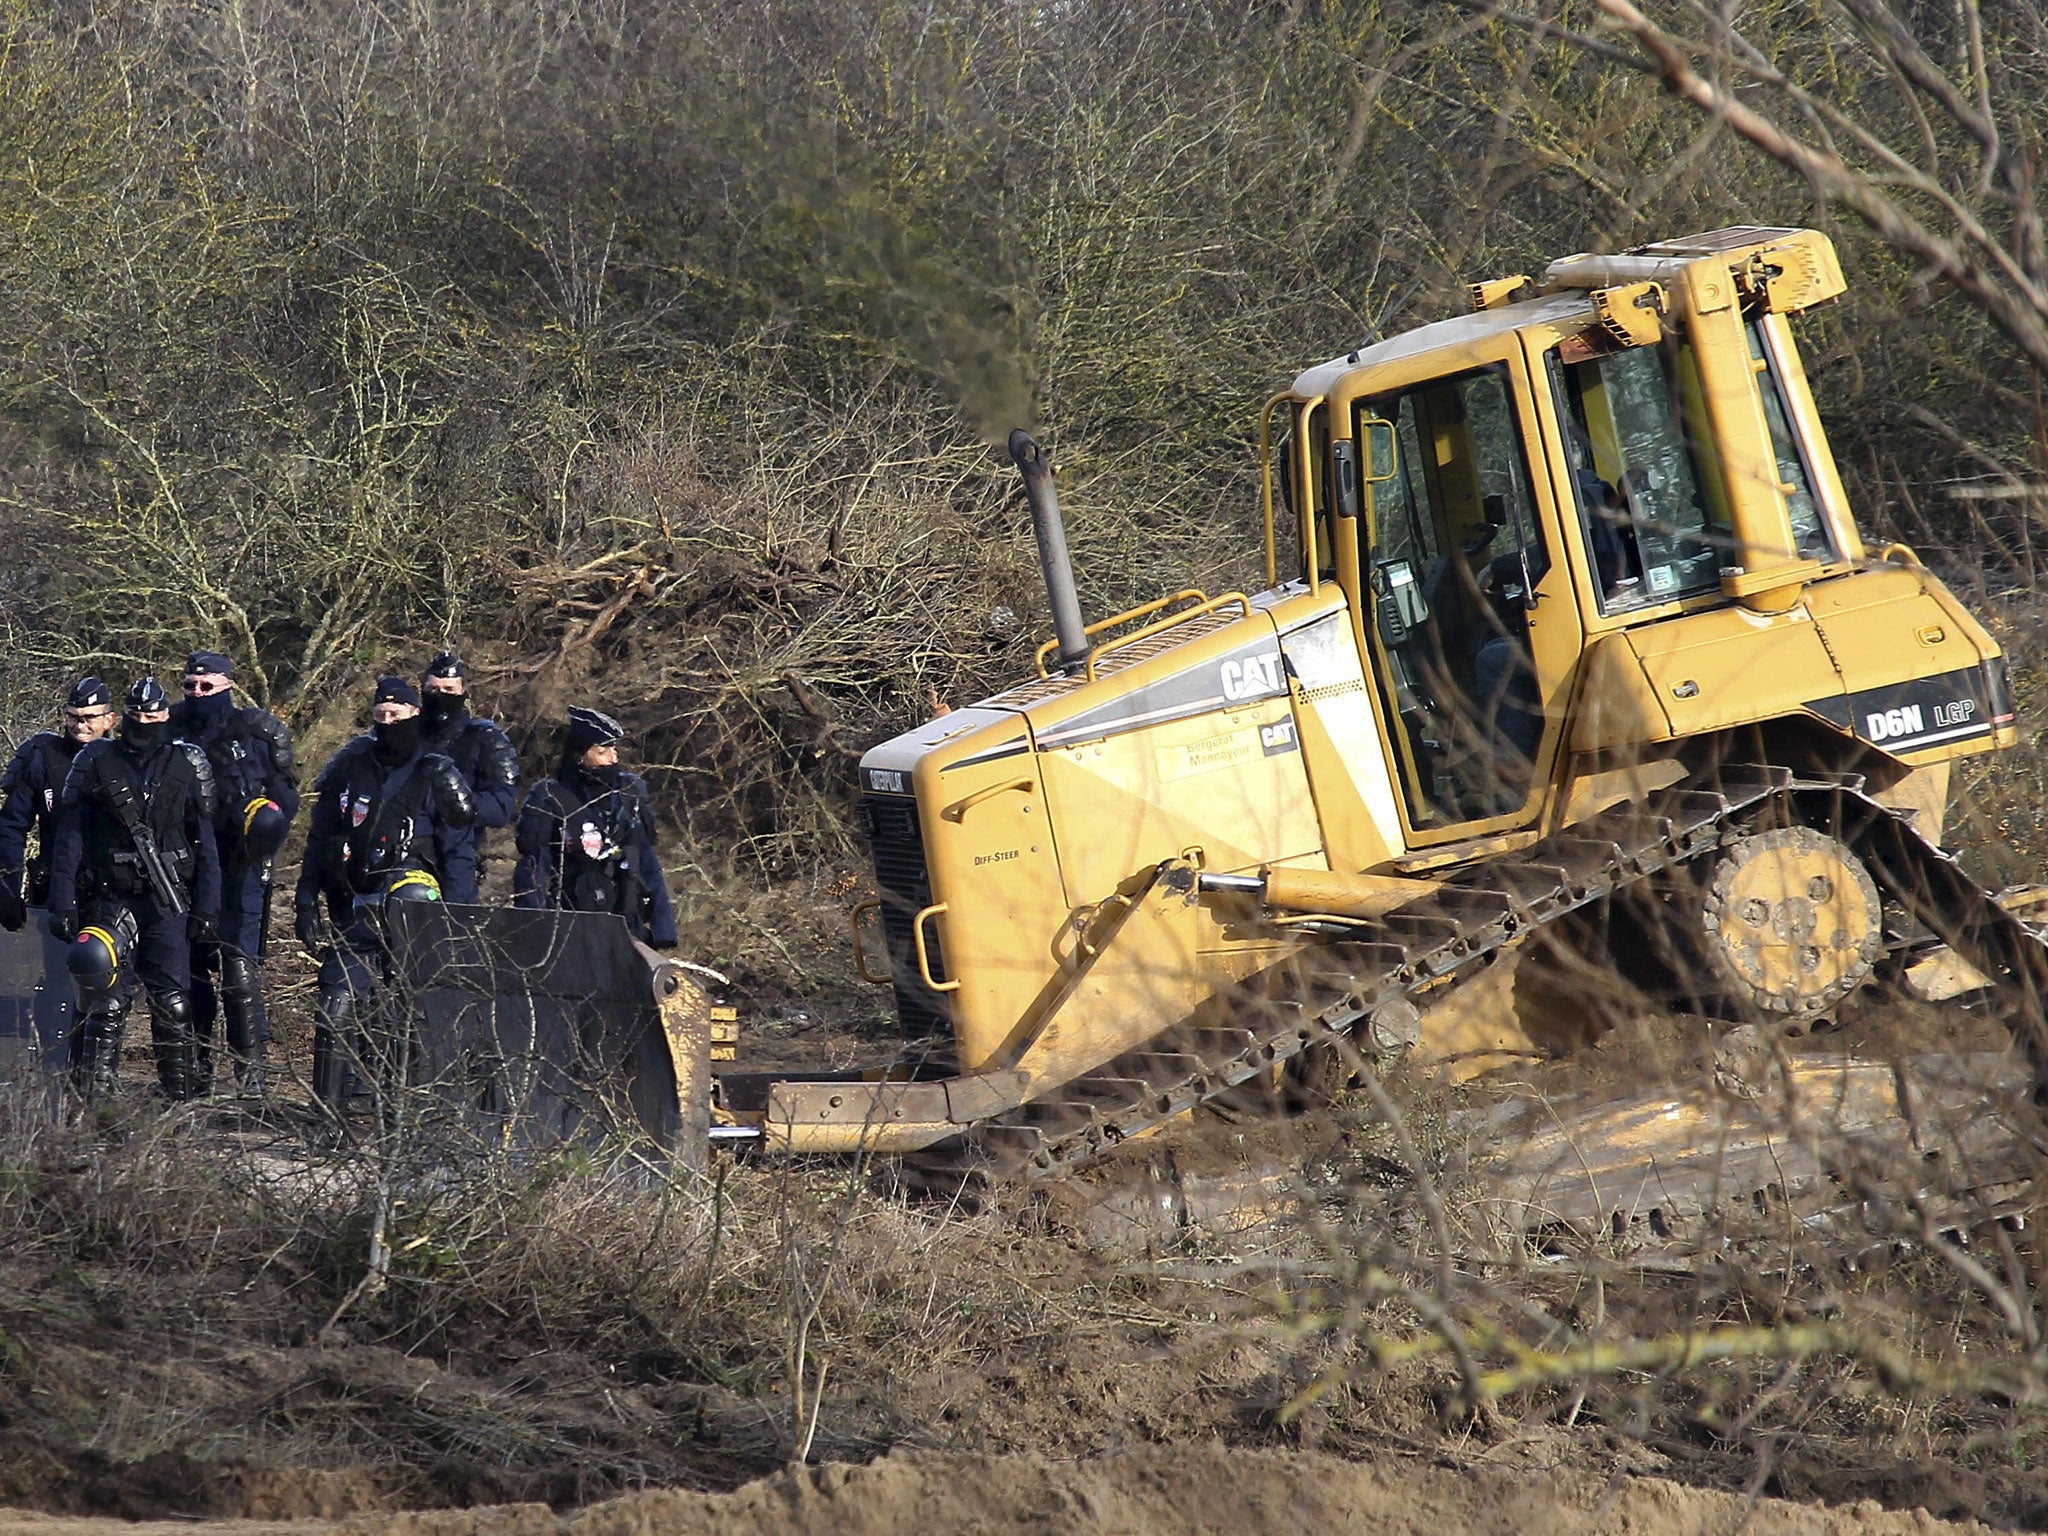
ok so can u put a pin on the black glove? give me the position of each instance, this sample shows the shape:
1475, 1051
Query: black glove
13, 910
307, 927
63, 925
202, 927
452, 801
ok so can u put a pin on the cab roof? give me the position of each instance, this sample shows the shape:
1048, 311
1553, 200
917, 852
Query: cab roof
1458, 331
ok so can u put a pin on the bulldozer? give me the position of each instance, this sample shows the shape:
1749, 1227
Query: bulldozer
1570, 647
1566, 616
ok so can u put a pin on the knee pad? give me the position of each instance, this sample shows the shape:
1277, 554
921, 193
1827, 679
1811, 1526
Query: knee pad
104, 1007
334, 1008
173, 1009
237, 975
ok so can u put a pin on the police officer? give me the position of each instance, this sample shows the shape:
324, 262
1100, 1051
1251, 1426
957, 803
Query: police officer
586, 836
391, 822
135, 880
257, 797
28, 799
479, 748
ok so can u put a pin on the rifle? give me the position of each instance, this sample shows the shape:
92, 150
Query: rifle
165, 889
125, 799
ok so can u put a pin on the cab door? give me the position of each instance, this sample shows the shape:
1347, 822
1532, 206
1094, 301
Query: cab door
1460, 589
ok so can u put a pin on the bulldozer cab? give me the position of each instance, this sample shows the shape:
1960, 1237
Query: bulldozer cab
1615, 447
1433, 514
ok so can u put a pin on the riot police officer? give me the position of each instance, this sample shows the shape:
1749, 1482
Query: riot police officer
391, 822
586, 836
257, 797
28, 799
479, 748
135, 881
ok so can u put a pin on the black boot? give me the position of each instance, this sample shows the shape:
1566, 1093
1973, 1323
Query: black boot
96, 1048
331, 1047
206, 1006
170, 1028
246, 1028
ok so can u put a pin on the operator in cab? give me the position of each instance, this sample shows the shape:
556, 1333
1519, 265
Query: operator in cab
134, 884
586, 836
391, 822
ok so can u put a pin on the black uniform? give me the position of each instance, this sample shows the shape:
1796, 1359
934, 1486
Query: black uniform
482, 753
586, 839
258, 795
121, 796
28, 801
390, 822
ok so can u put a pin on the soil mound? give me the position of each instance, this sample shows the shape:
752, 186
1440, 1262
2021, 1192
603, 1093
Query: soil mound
1188, 1491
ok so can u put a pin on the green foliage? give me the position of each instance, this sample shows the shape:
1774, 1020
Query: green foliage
653, 353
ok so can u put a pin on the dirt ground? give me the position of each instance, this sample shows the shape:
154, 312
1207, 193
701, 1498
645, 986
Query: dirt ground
1188, 1491
1005, 1371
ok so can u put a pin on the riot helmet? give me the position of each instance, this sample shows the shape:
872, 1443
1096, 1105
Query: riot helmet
592, 728
94, 959
264, 827
414, 885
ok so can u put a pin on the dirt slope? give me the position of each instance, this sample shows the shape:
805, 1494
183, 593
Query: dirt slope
1187, 1491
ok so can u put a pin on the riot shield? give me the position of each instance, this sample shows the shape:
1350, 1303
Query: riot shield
21, 973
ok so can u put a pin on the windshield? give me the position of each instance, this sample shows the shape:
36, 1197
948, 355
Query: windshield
1647, 507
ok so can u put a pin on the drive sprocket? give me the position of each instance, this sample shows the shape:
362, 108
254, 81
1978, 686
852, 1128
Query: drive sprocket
1792, 921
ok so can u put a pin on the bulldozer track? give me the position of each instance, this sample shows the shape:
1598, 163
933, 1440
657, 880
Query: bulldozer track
1330, 988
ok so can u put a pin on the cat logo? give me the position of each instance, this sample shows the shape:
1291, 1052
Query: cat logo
886, 781
1253, 677
1278, 737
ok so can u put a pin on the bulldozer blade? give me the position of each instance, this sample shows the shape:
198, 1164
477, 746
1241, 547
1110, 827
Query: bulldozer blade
1938, 974
533, 1028
1775, 1148
1776, 1160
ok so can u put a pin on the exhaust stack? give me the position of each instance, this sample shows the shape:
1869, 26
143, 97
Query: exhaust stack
1036, 469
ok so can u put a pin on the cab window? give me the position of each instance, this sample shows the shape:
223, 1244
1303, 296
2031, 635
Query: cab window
1809, 530
1315, 505
1454, 553
1651, 514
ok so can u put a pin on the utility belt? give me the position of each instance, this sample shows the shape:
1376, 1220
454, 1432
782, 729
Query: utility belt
127, 875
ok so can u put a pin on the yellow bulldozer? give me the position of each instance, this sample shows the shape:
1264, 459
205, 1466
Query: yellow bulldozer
1566, 614
1569, 641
